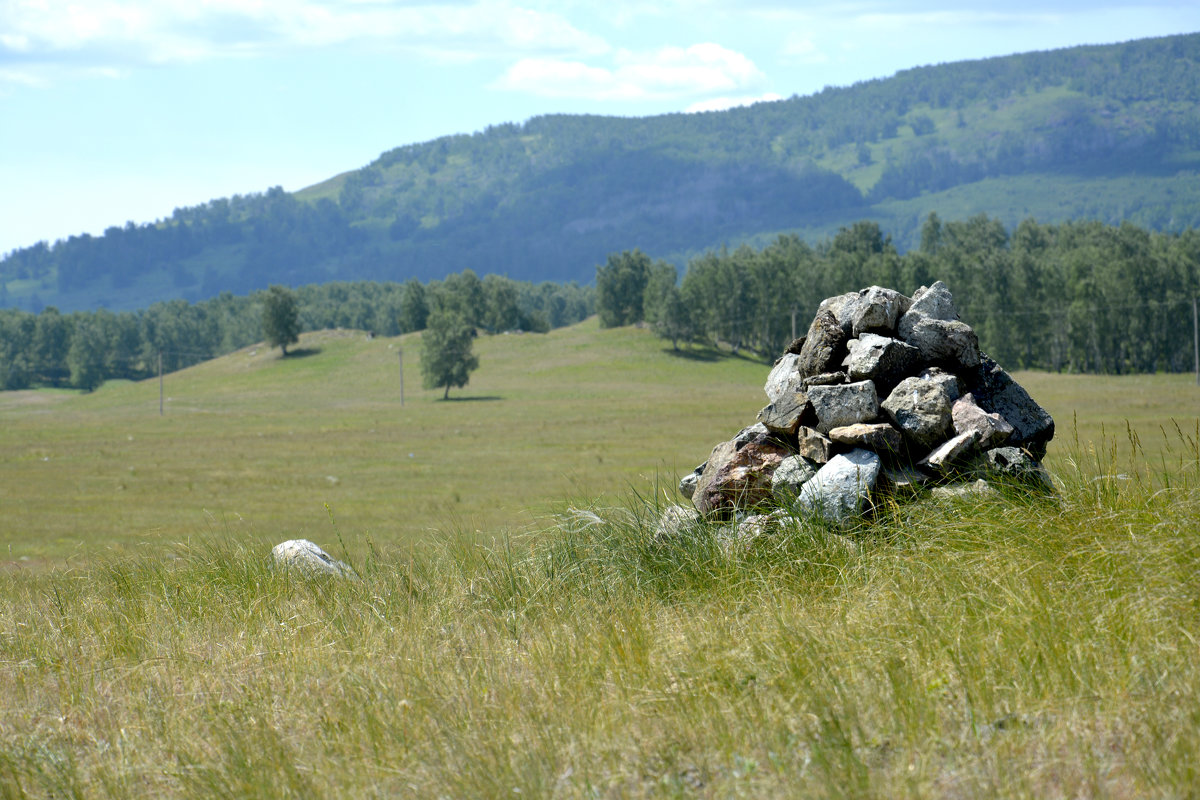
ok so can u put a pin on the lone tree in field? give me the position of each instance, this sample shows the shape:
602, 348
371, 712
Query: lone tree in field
281, 318
446, 358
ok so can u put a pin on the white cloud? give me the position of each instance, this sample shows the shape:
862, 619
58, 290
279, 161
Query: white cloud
723, 103
129, 33
667, 73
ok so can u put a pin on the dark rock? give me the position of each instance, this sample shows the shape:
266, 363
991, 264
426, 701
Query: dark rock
791, 474
824, 346
845, 404
921, 410
997, 393
825, 379
881, 360
1016, 464
942, 341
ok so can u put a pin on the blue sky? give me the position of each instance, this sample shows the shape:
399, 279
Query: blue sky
115, 111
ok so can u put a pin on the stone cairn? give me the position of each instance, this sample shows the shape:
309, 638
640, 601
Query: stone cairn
884, 394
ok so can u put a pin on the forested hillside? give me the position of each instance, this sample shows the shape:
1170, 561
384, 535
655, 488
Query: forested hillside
1110, 133
1079, 297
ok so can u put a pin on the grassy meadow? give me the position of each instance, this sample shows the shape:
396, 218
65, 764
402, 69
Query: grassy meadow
517, 631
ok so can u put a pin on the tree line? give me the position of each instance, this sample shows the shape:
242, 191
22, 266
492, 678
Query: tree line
1077, 296
84, 349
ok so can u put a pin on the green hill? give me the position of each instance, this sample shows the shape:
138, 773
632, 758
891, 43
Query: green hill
1103, 132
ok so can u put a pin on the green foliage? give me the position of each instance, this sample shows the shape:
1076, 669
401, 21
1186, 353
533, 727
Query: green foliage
446, 357
86, 356
621, 287
548, 197
281, 318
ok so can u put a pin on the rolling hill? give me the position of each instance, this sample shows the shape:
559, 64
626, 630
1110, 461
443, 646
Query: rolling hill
1100, 132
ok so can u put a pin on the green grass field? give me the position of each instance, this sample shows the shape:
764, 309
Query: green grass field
517, 632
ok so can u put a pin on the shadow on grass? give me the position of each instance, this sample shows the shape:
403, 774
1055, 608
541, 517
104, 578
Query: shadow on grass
711, 354
303, 352
471, 398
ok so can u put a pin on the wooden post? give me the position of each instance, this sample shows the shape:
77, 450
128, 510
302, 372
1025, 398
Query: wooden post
160, 384
400, 352
1196, 338
794, 323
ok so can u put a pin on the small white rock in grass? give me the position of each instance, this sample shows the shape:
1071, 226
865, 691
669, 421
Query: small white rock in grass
304, 556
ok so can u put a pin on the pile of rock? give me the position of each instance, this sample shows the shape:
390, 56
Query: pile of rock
884, 394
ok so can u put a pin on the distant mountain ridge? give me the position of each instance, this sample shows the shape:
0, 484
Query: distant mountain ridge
1106, 132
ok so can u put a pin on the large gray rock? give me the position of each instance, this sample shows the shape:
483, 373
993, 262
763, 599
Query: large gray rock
841, 488
996, 392
845, 404
922, 411
791, 474
784, 377
824, 346
306, 558
877, 311
882, 360
738, 477
991, 430
785, 390
933, 302
843, 308
942, 341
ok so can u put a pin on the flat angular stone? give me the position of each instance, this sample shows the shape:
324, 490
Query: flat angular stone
791, 474
991, 430
933, 302
841, 488
878, 437
845, 404
882, 360
824, 346
921, 410
945, 341
947, 453
813, 445
825, 379
996, 392
877, 311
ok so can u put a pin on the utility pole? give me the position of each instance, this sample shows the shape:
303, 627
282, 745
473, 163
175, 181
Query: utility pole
794, 323
400, 352
1196, 338
160, 384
